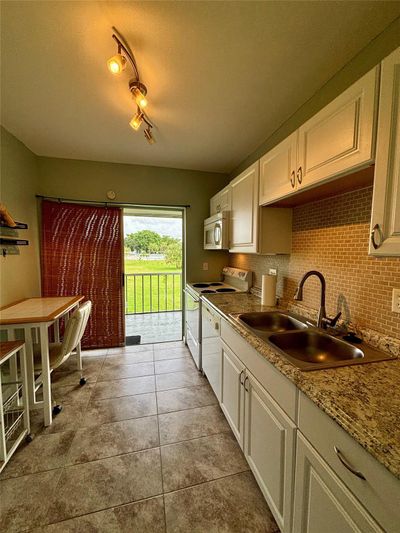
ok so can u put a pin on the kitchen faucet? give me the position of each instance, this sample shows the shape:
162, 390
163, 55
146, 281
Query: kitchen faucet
322, 321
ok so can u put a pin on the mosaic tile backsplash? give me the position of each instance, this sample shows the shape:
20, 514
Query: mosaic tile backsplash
331, 236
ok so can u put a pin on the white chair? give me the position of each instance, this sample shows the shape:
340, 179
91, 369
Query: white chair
59, 352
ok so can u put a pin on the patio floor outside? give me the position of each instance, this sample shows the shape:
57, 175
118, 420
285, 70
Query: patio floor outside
155, 327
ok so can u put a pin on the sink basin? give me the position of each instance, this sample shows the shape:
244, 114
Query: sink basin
315, 348
270, 322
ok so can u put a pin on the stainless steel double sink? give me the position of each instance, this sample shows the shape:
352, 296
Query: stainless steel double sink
305, 346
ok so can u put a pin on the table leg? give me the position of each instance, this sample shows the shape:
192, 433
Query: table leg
3, 448
30, 372
13, 364
25, 399
44, 347
57, 331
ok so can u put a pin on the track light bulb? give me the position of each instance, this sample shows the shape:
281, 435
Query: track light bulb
136, 121
149, 135
140, 98
116, 64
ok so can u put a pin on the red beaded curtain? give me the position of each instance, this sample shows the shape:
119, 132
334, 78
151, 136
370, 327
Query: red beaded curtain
82, 254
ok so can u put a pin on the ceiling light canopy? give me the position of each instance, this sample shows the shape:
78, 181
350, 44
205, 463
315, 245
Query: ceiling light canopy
116, 64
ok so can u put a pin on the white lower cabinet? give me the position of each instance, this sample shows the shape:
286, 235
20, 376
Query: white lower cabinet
269, 441
314, 476
232, 393
322, 503
265, 433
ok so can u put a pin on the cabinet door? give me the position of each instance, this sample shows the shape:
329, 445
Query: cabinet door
321, 500
385, 221
214, 203
221, 201
269, 449
340, 137
244, 213
278, 171
232, 393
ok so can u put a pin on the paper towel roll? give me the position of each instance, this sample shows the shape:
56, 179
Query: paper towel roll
268, 290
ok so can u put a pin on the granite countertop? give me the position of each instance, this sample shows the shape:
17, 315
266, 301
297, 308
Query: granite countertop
363, 399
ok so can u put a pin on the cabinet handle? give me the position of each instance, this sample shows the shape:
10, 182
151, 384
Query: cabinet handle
300, 175
292, 178
346, 464
373, 241
240, 377
246, 380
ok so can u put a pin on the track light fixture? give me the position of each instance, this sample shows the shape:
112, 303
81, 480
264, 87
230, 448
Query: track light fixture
116, 64
137, 120
149, 135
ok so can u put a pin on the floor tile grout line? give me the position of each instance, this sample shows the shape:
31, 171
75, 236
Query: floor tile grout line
161, 464
159, 495
208, 481
159, 446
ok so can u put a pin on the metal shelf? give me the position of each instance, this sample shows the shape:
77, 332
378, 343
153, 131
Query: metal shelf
19, 225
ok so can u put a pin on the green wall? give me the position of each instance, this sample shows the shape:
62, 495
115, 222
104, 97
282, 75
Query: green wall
90, 180
19, 274
370, 56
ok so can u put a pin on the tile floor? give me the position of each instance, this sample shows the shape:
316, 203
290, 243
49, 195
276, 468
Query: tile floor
142, 447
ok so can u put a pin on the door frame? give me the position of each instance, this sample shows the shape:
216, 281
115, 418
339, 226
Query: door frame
183, 210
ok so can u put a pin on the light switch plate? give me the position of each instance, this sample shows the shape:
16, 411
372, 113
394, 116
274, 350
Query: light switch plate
205, 266
272, 272
396, 301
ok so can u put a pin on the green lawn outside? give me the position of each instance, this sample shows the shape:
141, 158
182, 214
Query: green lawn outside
151, 293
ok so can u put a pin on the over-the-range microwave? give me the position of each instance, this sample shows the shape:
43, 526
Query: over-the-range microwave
216, 232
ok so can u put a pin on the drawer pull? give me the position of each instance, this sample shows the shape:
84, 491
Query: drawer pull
240, 377
292, 179
300, 175
346, 464
246, 381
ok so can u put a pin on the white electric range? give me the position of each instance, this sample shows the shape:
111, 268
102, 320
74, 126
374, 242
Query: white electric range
234, 280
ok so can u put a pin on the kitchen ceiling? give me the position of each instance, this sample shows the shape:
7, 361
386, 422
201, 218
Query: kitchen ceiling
221, 76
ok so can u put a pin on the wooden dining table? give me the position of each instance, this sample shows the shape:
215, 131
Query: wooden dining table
27, 318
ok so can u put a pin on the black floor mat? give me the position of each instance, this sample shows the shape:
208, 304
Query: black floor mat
132, 339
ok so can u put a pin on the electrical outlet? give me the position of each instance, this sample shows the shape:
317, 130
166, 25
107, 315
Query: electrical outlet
396, 301
272, 272
205, 266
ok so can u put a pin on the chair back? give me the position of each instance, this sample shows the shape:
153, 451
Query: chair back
74, 331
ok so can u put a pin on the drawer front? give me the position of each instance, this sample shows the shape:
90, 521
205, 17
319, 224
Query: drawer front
379, 492
280, 388
322, 503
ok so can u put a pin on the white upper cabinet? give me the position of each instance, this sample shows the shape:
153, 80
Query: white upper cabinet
340, 137
244, 212
253, 229
278, 170
336, 141
221, 201
385, 221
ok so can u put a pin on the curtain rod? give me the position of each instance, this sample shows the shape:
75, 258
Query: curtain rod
108, 204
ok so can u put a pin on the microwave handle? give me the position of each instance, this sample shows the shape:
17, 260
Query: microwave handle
217, 233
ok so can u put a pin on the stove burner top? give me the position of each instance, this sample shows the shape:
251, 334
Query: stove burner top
200, 285
226, 289
216, 284
207, 291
